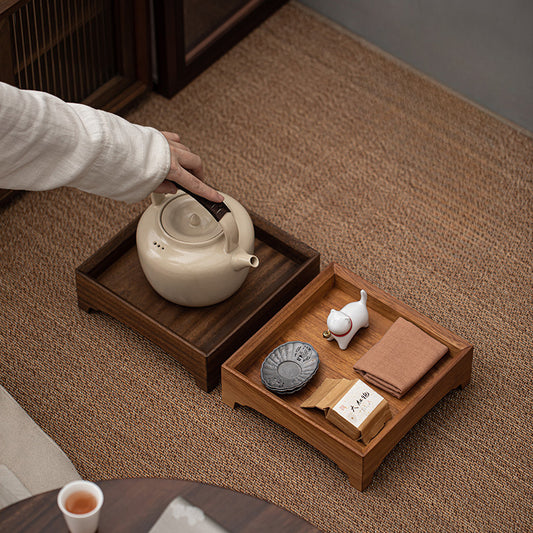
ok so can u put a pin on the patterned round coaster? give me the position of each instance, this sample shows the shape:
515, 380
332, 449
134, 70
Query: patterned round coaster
289, 367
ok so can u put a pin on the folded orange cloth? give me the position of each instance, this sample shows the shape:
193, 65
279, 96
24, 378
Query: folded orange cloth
403, 355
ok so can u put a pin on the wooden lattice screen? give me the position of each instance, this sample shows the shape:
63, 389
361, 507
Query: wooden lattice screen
64, 47
91, 51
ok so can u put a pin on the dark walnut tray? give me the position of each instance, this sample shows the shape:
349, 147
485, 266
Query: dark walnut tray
304, 319
201, 339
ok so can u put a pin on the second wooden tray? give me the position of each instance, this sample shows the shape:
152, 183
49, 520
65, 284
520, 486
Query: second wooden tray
112, 281
304, 319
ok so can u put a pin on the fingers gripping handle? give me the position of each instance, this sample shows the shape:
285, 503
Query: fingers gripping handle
217, 209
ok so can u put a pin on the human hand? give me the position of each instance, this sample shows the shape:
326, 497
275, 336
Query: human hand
185, 169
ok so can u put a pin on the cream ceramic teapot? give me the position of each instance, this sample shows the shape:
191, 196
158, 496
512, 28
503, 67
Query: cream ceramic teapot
195, 252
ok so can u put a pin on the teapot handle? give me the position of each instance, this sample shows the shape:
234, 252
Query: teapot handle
222, 214
217, 209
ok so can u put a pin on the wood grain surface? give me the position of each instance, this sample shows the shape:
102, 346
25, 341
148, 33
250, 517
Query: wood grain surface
134, 505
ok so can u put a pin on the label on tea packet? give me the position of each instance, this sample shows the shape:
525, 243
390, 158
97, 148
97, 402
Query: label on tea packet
357, 404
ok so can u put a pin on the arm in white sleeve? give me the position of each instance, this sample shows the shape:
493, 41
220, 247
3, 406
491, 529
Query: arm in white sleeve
46, 143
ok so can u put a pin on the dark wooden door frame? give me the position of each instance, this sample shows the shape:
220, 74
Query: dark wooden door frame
177, 67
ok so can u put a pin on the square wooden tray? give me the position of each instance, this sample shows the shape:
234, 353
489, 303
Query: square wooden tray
112, 281
304, 319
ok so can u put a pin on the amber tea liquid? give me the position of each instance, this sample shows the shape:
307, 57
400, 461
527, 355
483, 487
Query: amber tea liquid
80, 502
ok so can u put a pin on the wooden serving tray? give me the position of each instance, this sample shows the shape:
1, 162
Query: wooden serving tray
112, 281
304, 319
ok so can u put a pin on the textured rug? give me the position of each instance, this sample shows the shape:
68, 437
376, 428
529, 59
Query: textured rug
379, 169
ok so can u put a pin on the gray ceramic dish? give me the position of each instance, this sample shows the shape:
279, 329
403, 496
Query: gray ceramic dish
289, 367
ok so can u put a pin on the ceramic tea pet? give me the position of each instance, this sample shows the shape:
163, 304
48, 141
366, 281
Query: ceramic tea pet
344, 324
195, 252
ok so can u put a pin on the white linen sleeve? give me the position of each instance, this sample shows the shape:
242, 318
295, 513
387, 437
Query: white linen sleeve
47, 143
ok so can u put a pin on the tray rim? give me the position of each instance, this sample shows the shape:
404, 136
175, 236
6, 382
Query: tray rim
233, 368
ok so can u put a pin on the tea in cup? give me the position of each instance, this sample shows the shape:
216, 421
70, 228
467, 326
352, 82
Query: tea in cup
80, 502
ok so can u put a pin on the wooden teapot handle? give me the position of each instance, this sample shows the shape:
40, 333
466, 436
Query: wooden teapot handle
217, 209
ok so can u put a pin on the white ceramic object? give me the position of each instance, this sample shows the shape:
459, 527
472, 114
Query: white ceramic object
81, 523
344, 324
195, 252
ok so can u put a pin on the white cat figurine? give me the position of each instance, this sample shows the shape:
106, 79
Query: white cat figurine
344, 324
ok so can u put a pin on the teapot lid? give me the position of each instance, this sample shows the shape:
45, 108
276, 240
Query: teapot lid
185, 220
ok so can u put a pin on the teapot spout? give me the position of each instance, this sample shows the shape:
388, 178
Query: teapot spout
241, 259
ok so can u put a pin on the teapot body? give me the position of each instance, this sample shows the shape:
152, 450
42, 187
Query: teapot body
192, 265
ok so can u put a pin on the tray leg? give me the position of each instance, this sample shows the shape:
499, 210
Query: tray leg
358, 476
84, 306
228, 398
202, 384
464, 371
464, 383
359, 482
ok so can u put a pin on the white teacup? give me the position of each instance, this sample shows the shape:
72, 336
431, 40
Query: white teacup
80, 502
